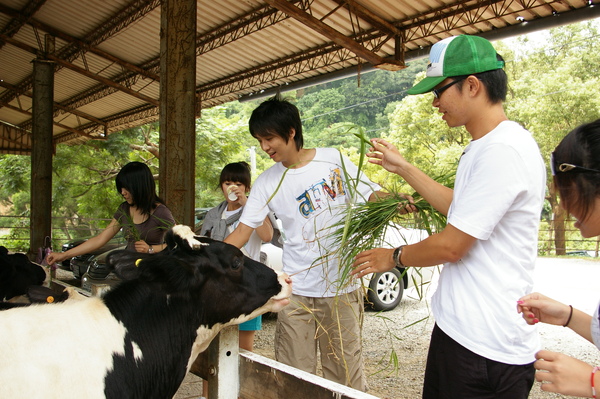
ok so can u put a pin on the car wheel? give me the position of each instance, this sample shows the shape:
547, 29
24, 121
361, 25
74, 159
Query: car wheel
385, 290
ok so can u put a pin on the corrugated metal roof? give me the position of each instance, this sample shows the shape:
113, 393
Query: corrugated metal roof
107, 51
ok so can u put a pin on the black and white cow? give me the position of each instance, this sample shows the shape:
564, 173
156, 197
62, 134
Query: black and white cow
17, 274
140, 339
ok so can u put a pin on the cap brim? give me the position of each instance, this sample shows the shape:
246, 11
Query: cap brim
426, 85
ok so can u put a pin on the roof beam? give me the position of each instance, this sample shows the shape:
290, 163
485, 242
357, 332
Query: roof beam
380, 23
14, 26
335, 36
249, 23
25, 112
133, 11
58, 105
83, 46
22, 132
369, 16
80, 70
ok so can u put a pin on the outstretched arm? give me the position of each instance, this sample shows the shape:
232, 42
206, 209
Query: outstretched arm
240, 236
88, 245
265, 230
536, 307
449, 245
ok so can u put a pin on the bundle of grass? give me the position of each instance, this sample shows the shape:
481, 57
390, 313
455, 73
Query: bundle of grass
365, 223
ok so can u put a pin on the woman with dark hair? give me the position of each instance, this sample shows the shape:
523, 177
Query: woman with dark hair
221, 220
143, 216
576, 169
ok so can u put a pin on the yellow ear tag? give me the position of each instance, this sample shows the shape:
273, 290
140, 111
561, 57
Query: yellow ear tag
137, 262
50, 299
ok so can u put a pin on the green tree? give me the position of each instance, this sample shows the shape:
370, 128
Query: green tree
361, 100
220, 139
423, 138
554, 90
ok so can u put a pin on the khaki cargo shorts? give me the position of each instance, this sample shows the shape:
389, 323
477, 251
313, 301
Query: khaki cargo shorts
311, 324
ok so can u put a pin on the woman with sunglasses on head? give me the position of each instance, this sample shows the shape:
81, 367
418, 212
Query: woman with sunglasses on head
576, 168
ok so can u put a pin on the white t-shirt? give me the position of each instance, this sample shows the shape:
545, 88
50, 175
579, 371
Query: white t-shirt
498, 197
309, 202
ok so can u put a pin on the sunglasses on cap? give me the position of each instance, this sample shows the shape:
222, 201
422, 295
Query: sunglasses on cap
567, 167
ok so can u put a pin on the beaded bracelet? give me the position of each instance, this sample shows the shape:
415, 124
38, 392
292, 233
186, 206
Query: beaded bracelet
593, 388
570, 315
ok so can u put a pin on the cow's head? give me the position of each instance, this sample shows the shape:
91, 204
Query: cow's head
17, 274
226, 286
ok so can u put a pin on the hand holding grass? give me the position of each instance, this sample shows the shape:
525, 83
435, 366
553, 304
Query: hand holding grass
375, 260
142, 246
407, 206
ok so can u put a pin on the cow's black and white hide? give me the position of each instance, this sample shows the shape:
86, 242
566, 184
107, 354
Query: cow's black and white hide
17, 274
140, 339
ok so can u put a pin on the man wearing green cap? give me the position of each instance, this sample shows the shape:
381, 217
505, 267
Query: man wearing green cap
478, 348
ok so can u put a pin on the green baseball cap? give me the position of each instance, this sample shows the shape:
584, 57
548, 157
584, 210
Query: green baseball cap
457, 56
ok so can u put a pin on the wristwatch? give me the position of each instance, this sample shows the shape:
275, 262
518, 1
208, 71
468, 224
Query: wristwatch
397, 256
150, 249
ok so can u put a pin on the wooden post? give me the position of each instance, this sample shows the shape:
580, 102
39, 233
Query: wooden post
40, 225
219, 365
177, 108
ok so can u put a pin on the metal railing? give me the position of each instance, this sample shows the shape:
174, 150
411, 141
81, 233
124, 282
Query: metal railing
14, 235
15, 230
574, 243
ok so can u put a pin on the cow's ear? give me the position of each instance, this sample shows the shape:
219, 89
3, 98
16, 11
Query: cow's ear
125, 263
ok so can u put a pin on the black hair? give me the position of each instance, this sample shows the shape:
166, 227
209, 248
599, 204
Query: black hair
137, 178
277, 116
495, 81
236, 172
579, 188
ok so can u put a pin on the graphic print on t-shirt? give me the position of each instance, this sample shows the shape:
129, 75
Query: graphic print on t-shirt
315, 197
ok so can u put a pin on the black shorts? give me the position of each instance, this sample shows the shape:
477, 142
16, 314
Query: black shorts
454, 372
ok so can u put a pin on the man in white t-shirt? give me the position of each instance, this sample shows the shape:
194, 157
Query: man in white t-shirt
479, 347
308, 191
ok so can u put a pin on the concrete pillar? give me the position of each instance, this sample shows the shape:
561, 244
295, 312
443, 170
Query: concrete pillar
41, 154
177, 107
